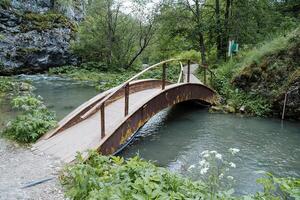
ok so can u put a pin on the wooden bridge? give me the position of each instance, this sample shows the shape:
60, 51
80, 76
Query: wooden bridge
109, 120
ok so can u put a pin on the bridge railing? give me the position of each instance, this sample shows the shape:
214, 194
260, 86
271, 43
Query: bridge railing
126, 86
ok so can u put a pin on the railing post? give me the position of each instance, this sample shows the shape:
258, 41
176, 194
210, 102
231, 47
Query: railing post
204, 74
102, 116
188, 71
126, 90
164, 76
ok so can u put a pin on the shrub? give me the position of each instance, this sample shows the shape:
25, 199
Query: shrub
33, 122
103, 177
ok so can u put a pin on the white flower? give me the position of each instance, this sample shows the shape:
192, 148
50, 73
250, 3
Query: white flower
204, 170
230, 177
205, 156
202, 163
204, 152
213, 152
219, 156
231, 164
191, 167
234, 151
221, 176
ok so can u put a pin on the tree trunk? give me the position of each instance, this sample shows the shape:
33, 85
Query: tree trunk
226, 27
110, 33
218, 31
202, 49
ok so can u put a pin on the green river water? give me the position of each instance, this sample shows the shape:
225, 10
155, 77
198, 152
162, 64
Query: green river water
175, 137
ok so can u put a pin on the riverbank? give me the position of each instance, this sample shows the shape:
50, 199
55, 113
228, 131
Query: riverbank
256, 81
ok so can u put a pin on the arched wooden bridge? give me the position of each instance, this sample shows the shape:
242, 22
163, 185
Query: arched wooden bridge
109, 120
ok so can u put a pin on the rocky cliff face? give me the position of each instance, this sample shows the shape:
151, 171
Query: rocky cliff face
35, 35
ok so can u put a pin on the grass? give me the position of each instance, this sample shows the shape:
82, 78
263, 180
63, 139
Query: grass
240, 79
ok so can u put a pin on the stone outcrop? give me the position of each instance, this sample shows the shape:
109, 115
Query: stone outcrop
36, 34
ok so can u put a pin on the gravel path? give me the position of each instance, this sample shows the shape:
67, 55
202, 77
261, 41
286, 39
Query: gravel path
20, 166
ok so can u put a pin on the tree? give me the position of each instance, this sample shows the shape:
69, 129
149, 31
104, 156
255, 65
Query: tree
111, 36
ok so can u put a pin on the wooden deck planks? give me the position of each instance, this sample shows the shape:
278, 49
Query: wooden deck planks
86, 134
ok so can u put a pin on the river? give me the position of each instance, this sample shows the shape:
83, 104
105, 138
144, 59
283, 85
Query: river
176, 136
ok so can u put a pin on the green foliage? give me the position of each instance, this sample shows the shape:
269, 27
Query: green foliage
113, 178
278, 188
34, 120
111, 78
102, 177
41, 22
239, 79
190, 55
110, 36
7, 85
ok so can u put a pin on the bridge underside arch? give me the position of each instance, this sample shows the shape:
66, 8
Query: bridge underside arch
170, 96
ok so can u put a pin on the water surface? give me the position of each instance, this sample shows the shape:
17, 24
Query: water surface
175, 137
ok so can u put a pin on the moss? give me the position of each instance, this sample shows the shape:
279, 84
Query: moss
41, 22
26, 51
5, 4
294, 76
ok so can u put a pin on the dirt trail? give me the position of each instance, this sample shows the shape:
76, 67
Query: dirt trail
20, 166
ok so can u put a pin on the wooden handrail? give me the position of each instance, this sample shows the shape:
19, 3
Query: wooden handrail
181, 72
101, 105
98, 105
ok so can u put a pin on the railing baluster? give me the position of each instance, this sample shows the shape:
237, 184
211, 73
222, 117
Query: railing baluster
126, 90
102, 116
164, 76
188, 71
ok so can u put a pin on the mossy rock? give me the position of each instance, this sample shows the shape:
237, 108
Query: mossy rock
5, 4
41, 22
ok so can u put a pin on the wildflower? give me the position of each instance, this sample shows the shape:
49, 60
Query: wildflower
219, 156
213, 152
202, 163
234, 151
204, 170
191, 167
205, 156
230, 177
221, 176
204, 152
231, 164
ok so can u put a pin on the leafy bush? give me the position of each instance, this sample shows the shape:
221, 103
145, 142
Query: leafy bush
102, 177
33, 122
190, 55
113, 178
